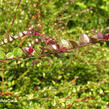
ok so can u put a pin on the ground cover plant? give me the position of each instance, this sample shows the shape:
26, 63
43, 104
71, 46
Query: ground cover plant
54, 54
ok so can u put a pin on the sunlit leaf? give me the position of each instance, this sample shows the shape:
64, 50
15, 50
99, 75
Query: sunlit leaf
83, 39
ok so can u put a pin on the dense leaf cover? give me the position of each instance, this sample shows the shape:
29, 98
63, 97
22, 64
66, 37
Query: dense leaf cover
62, 61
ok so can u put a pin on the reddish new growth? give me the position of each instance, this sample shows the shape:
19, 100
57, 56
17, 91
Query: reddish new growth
106, 36
36, 33
51, 40
30, 50
64, 49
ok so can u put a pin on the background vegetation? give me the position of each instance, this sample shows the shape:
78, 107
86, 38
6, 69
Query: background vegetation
75, 80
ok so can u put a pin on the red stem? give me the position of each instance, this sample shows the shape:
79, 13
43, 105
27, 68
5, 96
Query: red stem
12, 58
13, 22
43, 55
15, 13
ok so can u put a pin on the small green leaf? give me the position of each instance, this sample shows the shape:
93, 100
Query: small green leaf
17, 52
2, 55
10, 55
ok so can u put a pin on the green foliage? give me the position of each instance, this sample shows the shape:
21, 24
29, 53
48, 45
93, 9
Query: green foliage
76, 80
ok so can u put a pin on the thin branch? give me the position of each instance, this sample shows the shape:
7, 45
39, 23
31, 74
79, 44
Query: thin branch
12, 23
44, 55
